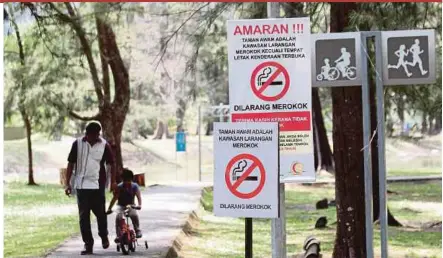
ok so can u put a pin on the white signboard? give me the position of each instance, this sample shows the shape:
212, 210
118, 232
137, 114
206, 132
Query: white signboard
246, 170
269, 81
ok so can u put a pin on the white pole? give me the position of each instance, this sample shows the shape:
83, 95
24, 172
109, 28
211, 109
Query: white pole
278, 226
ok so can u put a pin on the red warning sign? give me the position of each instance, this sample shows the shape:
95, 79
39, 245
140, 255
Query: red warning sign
270, 77
239, 170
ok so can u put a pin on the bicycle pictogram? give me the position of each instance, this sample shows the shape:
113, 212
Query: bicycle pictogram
342, 67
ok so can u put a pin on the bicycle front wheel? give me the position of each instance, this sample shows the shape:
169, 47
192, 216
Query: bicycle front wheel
125, 243
351, 73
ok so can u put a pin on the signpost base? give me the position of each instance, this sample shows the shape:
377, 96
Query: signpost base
248, 237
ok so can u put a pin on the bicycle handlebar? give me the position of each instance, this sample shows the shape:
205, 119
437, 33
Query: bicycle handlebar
126, 208
133, 207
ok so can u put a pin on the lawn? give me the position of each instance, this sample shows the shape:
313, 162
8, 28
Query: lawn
415, 205
37, 219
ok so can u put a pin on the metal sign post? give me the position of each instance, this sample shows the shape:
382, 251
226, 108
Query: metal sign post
248, 237
278, 225
402, 58
340, 59
367, 148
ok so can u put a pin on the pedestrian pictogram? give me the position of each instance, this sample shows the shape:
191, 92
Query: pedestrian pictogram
270, 81
408, 57
248, 171
402, 53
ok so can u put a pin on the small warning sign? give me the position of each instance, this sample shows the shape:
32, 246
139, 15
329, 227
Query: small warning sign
270, 81
246, 170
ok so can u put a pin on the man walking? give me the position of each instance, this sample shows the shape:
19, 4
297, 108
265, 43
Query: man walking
89, 156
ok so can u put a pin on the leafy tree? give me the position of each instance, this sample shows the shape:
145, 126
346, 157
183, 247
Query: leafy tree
17, 93
88, 28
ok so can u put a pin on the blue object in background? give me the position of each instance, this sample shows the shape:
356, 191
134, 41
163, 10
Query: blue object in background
180, 142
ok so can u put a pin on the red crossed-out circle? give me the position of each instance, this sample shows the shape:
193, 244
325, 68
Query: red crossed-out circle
256, 163
259, 92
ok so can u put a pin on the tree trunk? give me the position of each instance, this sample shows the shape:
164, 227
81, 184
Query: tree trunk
348, 142
28, 127
424, 124
324, 151
113, 115
112, 123
180, 114
160, 131
316, 147
401, 113
389, 127
209, 127
438, 123
21, 104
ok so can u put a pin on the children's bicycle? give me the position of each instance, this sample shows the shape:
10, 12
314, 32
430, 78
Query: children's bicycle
127, 240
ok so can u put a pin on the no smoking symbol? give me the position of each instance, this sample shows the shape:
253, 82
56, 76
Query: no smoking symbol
269, 75
239, 170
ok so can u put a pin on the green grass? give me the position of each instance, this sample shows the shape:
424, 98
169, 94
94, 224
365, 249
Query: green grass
20, 194
28, 234
29, 230
224, 237
418, 191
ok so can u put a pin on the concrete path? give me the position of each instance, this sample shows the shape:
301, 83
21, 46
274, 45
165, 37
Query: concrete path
165, 211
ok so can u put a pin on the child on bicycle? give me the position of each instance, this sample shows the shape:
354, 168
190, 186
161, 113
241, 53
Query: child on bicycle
326, 68
125, 193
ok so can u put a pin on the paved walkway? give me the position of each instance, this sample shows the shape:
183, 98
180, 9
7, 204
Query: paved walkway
165, 211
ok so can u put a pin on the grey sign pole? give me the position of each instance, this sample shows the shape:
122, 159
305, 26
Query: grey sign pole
367, 148
340, 59
381, 146
278, 225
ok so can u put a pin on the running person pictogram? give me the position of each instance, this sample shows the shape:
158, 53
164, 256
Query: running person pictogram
401, 53
245, 176
270, 81
416, 59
